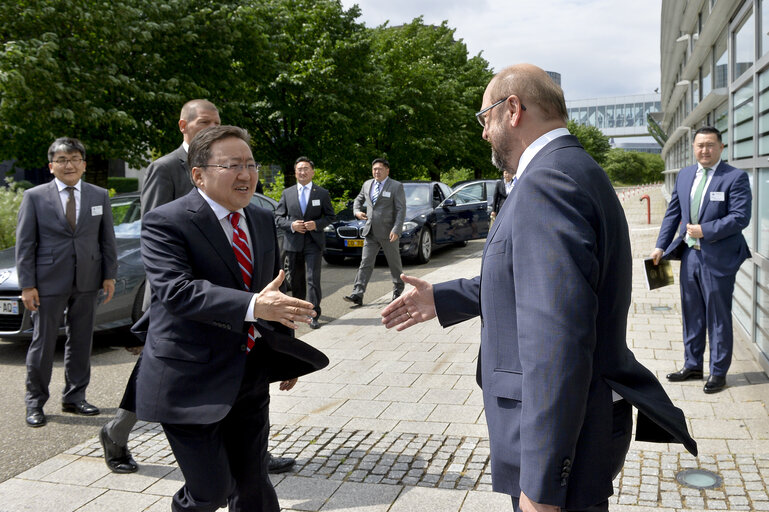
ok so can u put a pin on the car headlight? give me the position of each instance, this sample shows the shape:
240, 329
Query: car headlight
408, 226
329, 229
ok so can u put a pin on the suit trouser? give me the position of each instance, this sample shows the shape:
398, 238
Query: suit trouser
622, 435
391, 251
706, 301
226, 462
77, 349
305, 273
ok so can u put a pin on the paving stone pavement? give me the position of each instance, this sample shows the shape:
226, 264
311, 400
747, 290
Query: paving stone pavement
396, 423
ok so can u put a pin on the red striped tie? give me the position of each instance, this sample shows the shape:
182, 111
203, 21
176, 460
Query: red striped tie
243, 255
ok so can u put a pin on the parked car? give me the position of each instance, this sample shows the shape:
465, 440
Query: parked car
434, 216
126, 304
478, 189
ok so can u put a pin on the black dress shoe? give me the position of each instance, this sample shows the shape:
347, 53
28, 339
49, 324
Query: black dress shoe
714, 384
355, 299
80, 407
280, 464
684, 374
117, 457
314, 324
396, 294
35, 417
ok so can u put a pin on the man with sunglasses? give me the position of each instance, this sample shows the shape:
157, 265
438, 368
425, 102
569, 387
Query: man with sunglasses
559, 381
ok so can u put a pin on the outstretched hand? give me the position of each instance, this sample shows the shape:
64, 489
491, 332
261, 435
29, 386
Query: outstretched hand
415, 306
273, 305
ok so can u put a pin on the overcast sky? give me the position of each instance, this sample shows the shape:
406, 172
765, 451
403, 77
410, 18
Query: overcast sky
600, 47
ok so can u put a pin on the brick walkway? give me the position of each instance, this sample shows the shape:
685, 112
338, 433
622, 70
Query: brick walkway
396, 423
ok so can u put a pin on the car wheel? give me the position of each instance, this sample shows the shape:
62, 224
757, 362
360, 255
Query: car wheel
425, 248
333, 259
136, 310
286, 270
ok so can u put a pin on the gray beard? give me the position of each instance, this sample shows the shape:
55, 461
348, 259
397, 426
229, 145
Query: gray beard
500, 162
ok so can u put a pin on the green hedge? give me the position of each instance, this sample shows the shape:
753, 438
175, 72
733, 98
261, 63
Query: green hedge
121, 184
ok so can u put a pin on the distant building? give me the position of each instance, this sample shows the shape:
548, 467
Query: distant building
715, 71
619, 117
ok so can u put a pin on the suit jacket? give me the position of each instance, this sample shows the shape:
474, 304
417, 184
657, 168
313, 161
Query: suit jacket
553, 296
389, 212
195, 343
166, 179
319, 209
723, 246
500, 194
50, 256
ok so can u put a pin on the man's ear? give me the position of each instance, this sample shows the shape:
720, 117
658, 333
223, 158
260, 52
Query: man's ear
182, 125
197, 177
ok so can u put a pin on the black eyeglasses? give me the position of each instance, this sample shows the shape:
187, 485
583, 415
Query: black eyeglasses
64, 161
482, 119
234, 167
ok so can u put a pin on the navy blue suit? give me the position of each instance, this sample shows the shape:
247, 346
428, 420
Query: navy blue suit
553, 296
707, 275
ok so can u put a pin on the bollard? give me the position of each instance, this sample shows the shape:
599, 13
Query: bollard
648, 208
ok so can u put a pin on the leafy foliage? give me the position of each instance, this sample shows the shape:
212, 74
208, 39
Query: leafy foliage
633, 167
592, 139
10, 201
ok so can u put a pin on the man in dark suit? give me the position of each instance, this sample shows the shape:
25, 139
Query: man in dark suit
212, 260
501, 191
558, 378
166, 179
384, 201
709, 207
65, 252
302, 213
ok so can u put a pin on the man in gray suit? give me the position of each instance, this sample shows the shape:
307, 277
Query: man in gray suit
385, 209
302, 213
65, 252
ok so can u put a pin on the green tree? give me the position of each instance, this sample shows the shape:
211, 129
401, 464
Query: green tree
654, 166
10, 201
592, 139
113, 75
430, 91
624, 167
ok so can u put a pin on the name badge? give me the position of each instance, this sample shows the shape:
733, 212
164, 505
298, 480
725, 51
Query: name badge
316, 202
97, 210
386, 193
717, 196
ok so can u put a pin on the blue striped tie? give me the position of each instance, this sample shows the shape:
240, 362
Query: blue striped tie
375, 194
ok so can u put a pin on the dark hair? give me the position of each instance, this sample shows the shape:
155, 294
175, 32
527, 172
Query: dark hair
382, 161
304, 159
66, 144
708, 130
200, 147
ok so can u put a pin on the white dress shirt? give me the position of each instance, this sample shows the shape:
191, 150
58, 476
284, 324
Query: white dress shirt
64, 197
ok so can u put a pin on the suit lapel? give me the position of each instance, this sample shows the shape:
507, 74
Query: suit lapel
686, 198
203, 217
55, 201
715, 181
85, 206
255, 252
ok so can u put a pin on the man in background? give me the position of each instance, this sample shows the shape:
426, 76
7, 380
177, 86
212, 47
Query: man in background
302, 213
382, 204
709, 207
501, 190
65, 252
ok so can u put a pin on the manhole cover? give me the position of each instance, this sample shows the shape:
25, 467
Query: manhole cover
699, 479
661, 308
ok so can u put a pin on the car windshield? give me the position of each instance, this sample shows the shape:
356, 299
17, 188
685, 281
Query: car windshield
126, 216
418, 194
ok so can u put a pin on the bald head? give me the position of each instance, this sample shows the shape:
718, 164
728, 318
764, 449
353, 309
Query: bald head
535, 88
197, 115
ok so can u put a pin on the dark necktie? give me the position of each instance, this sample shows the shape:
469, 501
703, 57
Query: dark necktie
243, 255
70, 212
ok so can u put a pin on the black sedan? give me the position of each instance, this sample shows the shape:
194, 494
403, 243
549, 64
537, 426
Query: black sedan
434, 216
126, 305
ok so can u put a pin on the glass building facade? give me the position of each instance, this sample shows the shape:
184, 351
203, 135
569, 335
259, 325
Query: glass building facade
621, 116
715, 71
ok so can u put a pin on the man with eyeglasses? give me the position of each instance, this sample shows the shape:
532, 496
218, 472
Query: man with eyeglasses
219, 329
166, 179
302, 213
559, 381
65, 253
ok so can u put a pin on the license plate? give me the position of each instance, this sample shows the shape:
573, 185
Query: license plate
9, 307
353, 243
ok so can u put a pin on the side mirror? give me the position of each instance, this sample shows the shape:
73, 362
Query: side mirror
449, 202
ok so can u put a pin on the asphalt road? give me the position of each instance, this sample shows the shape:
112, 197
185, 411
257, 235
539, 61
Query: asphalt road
22, 447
